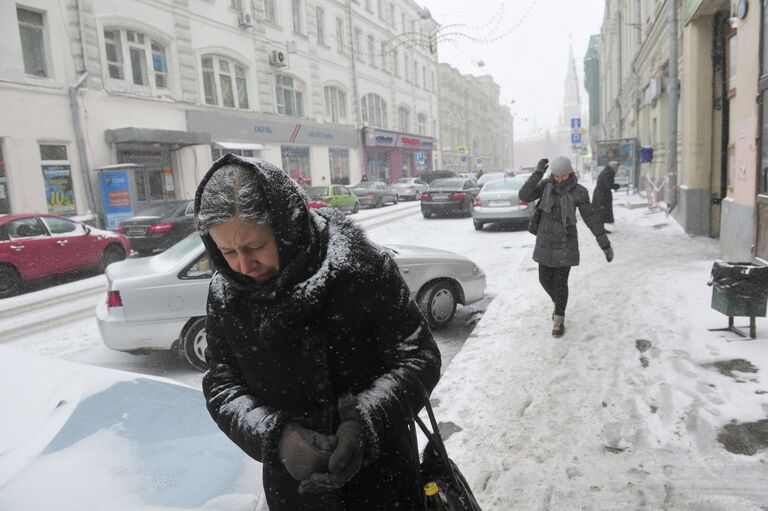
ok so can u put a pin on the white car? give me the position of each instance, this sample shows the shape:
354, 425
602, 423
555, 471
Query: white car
80, 437
409, 188
159, 302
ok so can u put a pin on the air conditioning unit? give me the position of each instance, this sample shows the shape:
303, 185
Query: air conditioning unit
278, 58
245, 20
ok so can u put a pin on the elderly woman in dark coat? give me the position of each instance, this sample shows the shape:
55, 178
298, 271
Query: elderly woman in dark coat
557, 242
602, 198
313, 345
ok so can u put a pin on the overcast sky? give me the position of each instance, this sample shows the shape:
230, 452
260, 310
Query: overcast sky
529, 61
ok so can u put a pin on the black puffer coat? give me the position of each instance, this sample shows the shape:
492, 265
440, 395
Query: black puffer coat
602, 198
339, 328
557, 242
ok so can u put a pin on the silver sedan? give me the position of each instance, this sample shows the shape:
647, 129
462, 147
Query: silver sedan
373, 194
498, 201
409, 187
159, 302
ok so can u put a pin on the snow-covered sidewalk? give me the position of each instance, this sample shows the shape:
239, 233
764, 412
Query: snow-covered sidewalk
624, 411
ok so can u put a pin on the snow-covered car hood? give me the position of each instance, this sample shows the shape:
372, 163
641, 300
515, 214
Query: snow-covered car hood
81, 437
412, 253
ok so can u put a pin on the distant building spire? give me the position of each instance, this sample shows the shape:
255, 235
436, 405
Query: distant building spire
571, 99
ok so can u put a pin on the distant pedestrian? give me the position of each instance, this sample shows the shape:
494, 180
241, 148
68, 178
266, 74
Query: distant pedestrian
603, 195
365, 178
557, 242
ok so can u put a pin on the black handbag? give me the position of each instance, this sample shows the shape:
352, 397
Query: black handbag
533, 223
436, 466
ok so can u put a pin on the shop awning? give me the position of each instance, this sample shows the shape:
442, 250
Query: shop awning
239, 146
156, 136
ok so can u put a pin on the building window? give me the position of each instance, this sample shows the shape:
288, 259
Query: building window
396, 62
298, 19
402, 119
290, 96
31, 30
407, 66
424, 77
135, 62
217, 152
339, 34
296, 162
269, 12
380, 5
402, 22
384, 56
358, 44
392, 14
374, 110
415, 73
236, 4
371, 51
224, 82
320, 17
422, 124
59, 192
335, 105
339, 160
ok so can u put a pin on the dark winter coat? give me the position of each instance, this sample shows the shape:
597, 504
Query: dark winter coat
557, 242
602, 198
338, 330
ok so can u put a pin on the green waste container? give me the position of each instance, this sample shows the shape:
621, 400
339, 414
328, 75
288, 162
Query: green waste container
739, 289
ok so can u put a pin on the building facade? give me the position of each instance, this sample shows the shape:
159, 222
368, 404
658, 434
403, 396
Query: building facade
476, 130
161, 88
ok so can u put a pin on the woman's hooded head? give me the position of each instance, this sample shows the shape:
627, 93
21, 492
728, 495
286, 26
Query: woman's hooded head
259, 193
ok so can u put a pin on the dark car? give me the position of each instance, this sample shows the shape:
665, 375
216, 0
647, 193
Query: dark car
160, 226
35, 246
428, 177
449, 197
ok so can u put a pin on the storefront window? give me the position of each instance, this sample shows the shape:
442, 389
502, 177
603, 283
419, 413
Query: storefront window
339, 160
5, 203
57, 173
378, 166
296, 162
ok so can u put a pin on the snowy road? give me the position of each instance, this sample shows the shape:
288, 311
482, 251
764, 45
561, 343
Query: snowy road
60, 321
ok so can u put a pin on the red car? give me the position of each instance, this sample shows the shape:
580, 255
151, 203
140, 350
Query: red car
33, 246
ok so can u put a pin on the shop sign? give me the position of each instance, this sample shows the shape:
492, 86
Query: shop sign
59, 192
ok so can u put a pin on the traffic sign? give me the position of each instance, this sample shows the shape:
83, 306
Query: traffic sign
418, 158
575, 122
461, 150
576, 138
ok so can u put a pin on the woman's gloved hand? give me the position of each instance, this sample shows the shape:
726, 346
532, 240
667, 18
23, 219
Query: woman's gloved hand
543, 165
343, 464
303, 451
608, 254
616, 187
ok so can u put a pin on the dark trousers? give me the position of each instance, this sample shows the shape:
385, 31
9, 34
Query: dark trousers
555, 283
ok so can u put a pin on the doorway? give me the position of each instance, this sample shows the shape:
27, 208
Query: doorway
154, 182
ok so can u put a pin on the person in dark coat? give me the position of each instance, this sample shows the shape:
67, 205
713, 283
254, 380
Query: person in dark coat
557, 242
602, 198
313, 345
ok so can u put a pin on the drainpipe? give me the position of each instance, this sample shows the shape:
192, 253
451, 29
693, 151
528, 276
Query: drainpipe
356, 102
674, 97
75, 108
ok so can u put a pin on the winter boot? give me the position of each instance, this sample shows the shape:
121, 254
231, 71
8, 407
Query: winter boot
558, 326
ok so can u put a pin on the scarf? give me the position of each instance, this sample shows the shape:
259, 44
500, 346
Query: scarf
560, 194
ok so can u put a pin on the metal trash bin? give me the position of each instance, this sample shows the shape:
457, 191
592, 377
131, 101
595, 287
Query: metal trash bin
739, 289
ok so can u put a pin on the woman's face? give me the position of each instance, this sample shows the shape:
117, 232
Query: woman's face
248, 248
559, 178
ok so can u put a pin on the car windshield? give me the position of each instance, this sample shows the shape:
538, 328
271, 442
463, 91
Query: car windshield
365, 185
317, 191
160, 210
503, 185
453, 184
404, 181
180, 249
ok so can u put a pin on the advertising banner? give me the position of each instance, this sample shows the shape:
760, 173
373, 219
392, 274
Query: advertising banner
623, 151
58, 189
115, 189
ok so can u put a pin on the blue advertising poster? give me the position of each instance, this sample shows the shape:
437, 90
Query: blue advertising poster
115, 189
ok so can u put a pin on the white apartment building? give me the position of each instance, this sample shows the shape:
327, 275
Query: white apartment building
113, 105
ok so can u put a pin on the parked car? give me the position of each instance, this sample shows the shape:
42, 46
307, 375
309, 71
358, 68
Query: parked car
449, 197
498, 202
469, 175
114, 440
316, 204
428, 177
374, 193
158, 303
409, 188
159, 226
34, 246
490, 176
335, 196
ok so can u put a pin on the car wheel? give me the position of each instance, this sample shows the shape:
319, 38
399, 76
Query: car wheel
379, 202
397, 199
438, 303
478, 225
112, 254
193, 344
468, 213
356, 207
10, 282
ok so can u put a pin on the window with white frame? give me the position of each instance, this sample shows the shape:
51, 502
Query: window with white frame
320, 20
298, 18
374, 110
407, 66
224, 82
396, 62
335, 104
32, 33
371, 51
136, 62
424, 77
384, 56
422, 124
392, 14
403, 115
269, 12
339, 34
290, 96
358, 43
368, 5
402, 22
415, 73
380, 5
236, 4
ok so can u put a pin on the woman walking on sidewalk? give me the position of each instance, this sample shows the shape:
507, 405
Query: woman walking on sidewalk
557, 242
602, 197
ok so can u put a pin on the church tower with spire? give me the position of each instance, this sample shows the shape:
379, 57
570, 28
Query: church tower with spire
571, 99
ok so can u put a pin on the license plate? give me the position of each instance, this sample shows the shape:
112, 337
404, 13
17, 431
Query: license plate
440, 196
137, 230
499, 203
